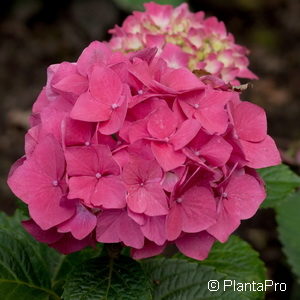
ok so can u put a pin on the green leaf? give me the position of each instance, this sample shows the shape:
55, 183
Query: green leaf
25, 266
280, 182
237, 260
29, 269
67, 263
22, 208
130, 5
104, 278
182, 278
288, 227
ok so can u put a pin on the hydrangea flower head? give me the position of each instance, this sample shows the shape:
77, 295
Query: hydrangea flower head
126, 149
184, 39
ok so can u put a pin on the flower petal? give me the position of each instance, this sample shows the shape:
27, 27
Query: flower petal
196, 245
109, 192
81, 224
245, 194
162, 123
114, 226
49, 212
198, 209
154, 229
261, 155
95, 54
186, 132
149, 249
105, 85
89, 109
250, 122
167, 158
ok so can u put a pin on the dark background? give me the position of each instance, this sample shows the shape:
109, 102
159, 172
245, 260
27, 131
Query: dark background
36, 33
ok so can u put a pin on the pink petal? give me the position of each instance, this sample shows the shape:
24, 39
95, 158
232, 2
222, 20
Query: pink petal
77, 132
51, 70
140, 70
105, 140
52, 116
108, 224
138, 130
142, 109
31, 139
41, 102
141, 149
190, 101
44, 236
250, 122
181, 80
49, 156
114, 226
261, 155
162, 123
33, 180
138, 218
140, 170
217, 151
82, 161
213, 66
229, 73
59, 72
109, 192
131, 233
121, 69
95, 54
153, 40
174, 223
157, 200
30, 184
169, 181
227, 222
149, 199
215, 98
214, 119
19, 162
149, 249
74, 84
90, 161
68, 244
175, 57
159, 14
116, 120
137, 200
246, 73
49, 212
89, 109
154, 229
121, 157
195, 245
186, 132
82, 187
145, 54
81, 224
106, 163
167, 158
245, 194
105, 85
198, 209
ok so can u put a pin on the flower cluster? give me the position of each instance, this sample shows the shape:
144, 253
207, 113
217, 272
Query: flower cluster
127, 149
185, 39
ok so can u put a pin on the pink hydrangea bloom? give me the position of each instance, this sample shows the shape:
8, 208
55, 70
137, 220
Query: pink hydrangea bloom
125, 149
184, 39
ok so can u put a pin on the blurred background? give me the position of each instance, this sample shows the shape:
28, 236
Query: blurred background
36, 33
